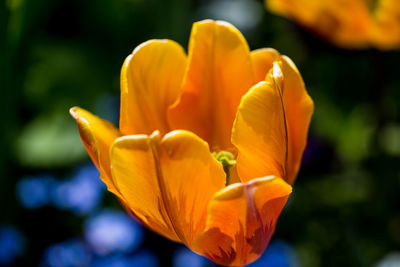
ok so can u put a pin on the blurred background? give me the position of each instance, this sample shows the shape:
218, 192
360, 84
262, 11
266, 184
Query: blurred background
55, 54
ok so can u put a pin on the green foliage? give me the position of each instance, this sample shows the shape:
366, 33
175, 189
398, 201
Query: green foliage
50, 141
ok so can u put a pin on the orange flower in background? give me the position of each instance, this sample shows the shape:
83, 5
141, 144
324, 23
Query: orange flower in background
346, 23
209, 142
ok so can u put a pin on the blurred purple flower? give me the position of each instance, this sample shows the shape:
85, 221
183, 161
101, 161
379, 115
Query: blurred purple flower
185, 257
34, 192
12, 244
317, 154
82, 193
143, 258
312, 151
278, 254
71, 253
113, 231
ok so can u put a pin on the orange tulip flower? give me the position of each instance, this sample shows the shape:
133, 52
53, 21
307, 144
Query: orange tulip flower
181, 117
346, 23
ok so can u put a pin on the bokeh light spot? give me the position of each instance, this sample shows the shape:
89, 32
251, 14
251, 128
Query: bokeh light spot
278, 254
12, 244
34, 192
184, 257
113, 231
71, 253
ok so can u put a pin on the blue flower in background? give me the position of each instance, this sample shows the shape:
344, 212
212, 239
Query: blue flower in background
142, 258
83, 193
113, 231
72, 253
34, 192
12, 244
185, 257
278, 254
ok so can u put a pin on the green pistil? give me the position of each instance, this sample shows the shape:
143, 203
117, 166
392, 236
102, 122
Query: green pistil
227, 160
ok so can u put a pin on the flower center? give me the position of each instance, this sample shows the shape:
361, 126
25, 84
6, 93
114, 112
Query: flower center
227, 160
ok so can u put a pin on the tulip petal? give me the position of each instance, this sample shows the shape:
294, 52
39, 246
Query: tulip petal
262, 61
259, 132
151, 80
135, 176
386, 34
191, 176
299, 108
241, 221
219, 73
167, 183
97, 136
343, 22
254, 155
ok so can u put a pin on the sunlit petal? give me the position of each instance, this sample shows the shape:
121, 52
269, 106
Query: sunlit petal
241, 221
190, 177
299, 108
167, 183
134, 173
259, 131
151, 80
97, 136
262, 60
219, 72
